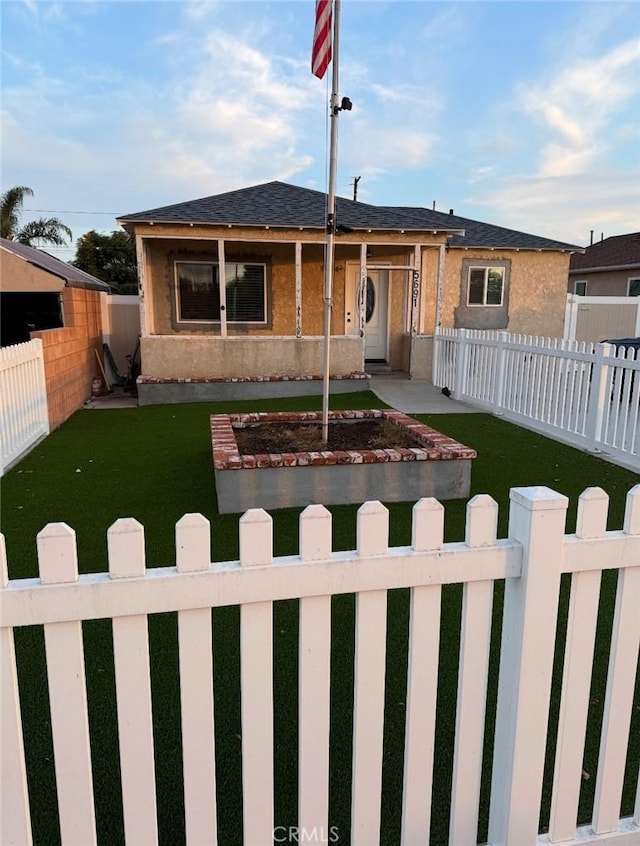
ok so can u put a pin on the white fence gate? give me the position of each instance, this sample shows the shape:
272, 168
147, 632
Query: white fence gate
24, 418
532, 561
585, 394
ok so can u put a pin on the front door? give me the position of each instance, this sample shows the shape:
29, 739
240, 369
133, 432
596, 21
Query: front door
376, 304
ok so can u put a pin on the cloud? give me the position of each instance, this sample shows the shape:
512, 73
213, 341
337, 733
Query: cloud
564, 208
577, 107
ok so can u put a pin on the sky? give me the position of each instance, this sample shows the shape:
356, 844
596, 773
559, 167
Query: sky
521, 114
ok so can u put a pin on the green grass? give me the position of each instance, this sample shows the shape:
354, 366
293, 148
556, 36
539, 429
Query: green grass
154, 464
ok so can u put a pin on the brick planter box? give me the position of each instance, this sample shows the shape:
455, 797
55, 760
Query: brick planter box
439, 467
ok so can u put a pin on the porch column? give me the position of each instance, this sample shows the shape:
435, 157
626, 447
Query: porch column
145, 296
440, 285
362, 292
298, 289
222, 284
415, 291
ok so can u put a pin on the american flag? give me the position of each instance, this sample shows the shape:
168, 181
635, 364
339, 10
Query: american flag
321, 54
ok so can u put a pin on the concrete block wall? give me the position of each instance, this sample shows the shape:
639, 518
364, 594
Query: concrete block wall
70, 361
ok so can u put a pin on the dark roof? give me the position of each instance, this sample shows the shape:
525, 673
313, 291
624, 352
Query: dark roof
279, 204
617, 251
73, 276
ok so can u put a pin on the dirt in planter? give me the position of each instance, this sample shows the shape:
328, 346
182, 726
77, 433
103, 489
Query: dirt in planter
307, 437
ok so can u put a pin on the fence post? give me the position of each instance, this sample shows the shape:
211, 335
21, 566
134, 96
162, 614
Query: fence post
536, 520
571, 317
598, 395
501, 360
435, 358
461, 364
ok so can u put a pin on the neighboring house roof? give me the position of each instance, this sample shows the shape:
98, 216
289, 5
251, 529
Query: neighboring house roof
73, 277
279, 204
615, 253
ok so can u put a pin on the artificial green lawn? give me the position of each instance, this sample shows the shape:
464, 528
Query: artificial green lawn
154, 464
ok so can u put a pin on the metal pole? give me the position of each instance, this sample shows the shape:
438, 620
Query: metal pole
331, 212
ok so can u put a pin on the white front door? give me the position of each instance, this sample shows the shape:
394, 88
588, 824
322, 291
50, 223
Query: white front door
376, 307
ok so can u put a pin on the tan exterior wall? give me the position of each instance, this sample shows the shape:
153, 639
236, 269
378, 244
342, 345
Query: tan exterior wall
70, 362
613, 283
537, 288
161, 255
199, 357
16, 274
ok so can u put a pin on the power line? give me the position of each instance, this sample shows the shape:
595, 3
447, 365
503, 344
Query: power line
62, 211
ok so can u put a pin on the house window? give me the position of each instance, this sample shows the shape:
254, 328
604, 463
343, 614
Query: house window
198, 292
580, 287
634, 286
486, 286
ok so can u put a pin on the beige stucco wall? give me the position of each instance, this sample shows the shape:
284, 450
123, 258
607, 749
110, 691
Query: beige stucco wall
159, 282
537, 285
16, 274
200, 357
537, 288
613, 283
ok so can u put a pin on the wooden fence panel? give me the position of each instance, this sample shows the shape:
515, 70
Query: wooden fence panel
531, 561
24, 418
581, 393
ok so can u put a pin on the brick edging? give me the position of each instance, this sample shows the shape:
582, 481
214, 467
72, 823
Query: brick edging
226, 456
196, 380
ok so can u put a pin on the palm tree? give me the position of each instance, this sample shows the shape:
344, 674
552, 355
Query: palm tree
50, 230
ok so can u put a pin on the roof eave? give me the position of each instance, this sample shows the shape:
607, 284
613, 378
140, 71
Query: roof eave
605, 267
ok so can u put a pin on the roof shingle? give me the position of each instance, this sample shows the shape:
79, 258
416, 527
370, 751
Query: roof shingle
616, 251
285, 205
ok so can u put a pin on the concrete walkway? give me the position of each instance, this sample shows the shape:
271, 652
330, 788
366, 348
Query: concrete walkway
412, 396
416, 396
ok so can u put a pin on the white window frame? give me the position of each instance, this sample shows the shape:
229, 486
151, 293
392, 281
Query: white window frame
217, 321
486, 268
580, 282
629, 281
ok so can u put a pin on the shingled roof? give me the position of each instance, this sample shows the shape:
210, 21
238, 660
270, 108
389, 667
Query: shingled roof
72, 276
280, 204
618, 251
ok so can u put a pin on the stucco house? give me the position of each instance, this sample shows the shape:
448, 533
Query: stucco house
609, 267
398, 273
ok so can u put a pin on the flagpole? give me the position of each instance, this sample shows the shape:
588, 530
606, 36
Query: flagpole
331, 217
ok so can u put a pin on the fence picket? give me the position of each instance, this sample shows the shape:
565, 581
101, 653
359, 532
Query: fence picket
67, 694
623, 660
125, 541
576, 681
256, 684
314, 679
368, 707
422, 675
475, 640
15, 822
193, 533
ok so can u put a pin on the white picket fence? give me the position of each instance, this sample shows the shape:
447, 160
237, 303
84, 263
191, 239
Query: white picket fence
532, 560
585, 394
24, 418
